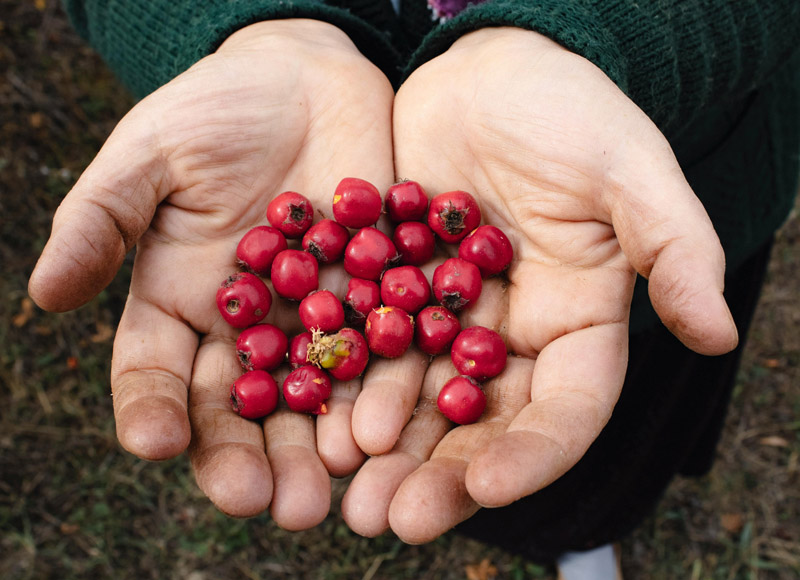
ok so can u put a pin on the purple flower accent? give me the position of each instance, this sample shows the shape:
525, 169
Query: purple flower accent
443, 10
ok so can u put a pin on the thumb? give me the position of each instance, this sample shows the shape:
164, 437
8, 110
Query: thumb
666, 234
100, 219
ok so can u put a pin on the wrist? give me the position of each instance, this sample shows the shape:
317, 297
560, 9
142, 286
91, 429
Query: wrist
304, 31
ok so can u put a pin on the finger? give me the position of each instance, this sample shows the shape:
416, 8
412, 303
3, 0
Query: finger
666, 234
302, 495
549, 301
101, 218
227, 451
576, 382
435, 497
150, 373
365, 505
336, 445
390, 390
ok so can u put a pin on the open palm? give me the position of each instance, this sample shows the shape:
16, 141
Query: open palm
589, 193
284, 105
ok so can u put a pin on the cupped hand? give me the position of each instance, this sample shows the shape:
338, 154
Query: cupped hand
589, 192
281, 105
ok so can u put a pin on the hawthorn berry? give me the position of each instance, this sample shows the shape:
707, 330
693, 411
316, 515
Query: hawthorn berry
321, 310
435, 328
369, 253
389, 331
243, 300
298, 349
461, 400
356, 203
405, 287
415, 243
344, 355
456, 283
294, 274
261, 347
406, 201
254, 394
306, 389
479, 352
453, 215
488, 248
359, 300
291, 213
258, 248
326, 241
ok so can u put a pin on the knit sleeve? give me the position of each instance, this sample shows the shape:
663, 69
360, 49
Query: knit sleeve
672, 57
147, 43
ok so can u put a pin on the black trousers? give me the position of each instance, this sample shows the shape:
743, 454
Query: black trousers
668, 421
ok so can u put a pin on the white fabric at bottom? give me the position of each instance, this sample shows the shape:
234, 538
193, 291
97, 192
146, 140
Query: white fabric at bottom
597, 564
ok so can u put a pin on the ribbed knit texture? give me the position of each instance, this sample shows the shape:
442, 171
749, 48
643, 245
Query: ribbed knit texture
147, 43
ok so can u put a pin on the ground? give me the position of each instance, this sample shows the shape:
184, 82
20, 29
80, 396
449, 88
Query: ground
73, 504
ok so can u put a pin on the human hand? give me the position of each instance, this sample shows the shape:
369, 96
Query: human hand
589, 193
287, 104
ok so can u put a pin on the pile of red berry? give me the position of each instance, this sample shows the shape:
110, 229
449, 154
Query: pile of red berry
389, 303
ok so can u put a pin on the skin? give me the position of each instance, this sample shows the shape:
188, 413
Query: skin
285, 105
586, 188
589, 193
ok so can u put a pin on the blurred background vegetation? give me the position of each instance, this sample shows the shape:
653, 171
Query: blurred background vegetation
73, 504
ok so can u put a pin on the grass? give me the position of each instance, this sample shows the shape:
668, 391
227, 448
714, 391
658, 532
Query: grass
74, 505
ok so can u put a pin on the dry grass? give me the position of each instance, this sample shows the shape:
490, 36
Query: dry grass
74, 505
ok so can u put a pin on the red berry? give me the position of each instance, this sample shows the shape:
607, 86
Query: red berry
254, 394
361, 297
488, 248
389, 331
368, 254
291, 213
326, 241
461, 400
414, 242
243, 300
298, 349
435, 328
294, 274
344, 354
258, 248
356, 203
478, 352
261, 347
321, 310
457, 283
406, 201
306, 389
405, 287
453, 215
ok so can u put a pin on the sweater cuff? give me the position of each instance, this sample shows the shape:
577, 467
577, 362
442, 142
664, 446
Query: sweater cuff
148, 46
574, 25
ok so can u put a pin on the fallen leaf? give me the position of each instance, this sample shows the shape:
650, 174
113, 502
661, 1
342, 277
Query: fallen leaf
483, 571
104, 333
72, 363
68, 529
40, 5
732, 523
774, 441
36, 120
26, 313
772, 363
